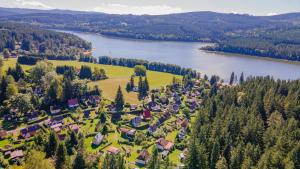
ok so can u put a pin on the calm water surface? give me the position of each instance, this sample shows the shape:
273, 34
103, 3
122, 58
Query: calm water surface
188, 55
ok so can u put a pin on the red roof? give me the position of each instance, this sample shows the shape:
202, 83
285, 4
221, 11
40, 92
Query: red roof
16, 154
147, 114
73, 102
113, 150
164, 143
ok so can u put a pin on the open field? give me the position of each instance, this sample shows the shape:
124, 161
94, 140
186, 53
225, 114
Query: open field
117, 76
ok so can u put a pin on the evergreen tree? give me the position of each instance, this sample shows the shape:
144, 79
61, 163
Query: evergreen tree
242, 80
155, 161
146, 84
119, 100
79, 162
60, 156
132, 82
231, 81
51, 145
128, 87
85, 72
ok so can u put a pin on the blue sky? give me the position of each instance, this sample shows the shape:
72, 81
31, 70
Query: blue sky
254, 7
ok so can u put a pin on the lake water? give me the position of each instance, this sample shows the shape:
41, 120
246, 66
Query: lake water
187, 54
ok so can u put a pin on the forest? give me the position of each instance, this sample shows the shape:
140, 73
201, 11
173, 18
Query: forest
268, 36
25, 39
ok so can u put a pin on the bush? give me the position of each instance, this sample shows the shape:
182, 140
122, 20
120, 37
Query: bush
140, 70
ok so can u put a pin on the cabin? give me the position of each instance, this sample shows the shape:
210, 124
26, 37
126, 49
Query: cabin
17, 154
154, 107
86, 114
113, 150
152, 129
97, 139
183, 123
147, 114
112, 108
73, 103
74, 127
94, 99
30, 131
133, 107
127, 133
164, 145
174, 108
57, 127
55, 109
3, 134
143, 158
56, 120
136, 121
115, 116
33, 116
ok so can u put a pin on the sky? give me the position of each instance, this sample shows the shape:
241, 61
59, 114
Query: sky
156, 7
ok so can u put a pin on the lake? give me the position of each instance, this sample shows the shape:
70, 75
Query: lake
187, 54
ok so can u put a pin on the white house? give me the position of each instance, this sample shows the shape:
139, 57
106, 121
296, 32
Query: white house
98, 139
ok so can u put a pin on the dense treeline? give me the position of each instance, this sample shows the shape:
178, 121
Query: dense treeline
252, 125
28, 39
154, 66
274, 44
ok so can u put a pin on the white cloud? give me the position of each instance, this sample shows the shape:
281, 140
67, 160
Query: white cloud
136, 10
25, 4
272, 14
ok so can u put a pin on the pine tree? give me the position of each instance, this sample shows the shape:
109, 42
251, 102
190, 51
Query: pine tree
154, 162
141, 88
231, 78
60, 156
214, 154
132, 82
79, 161
119, 100
146, 84
242, 80
128, 87
51, 145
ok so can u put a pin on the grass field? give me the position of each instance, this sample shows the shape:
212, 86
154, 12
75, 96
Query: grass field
117, 76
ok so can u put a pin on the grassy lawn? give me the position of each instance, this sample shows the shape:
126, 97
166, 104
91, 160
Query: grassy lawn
117, 76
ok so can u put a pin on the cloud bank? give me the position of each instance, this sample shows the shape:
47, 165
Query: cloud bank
26, 4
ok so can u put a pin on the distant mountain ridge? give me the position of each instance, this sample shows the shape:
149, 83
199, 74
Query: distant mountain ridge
268, 36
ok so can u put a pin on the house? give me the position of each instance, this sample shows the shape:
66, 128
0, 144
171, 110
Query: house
87, 113
94, 99
97, 139
182, 123
56, 120
136, 121
61, 137
152, 129
112, 108
164, 145
55, 109
143, 158
154, 106
16, 154
33, 116
74, 127
147, 114
115, 116
72, 103
30, 131
3, 134
56, 127
133, 107
113, 150
175, 108
127, 133
182, 134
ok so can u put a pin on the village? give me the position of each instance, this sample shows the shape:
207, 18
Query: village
163, 120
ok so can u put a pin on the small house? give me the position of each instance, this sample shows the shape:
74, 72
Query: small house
3, 134
154, 106
30, 131
147, 114
133, 107
97, 139
113, 150
74, 127
56, 127
86, 113
136, 121
55, 109
182, 134
164, 145
33, 116
127, 133
116, 116
143, 158
152, 129
94, 99
182, 123
72, 103
16, 154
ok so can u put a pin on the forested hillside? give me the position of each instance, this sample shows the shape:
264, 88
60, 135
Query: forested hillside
253, 125
266, 36
25, 39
